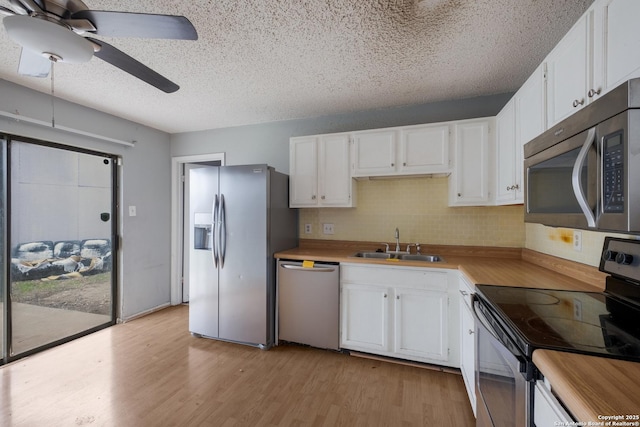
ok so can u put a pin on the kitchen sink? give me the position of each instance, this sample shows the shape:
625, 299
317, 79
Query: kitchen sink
420, 257
379, 255
405, 257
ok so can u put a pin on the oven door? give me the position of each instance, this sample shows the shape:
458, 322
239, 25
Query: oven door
504, 396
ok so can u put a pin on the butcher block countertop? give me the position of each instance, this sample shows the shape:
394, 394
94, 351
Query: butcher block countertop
589, 386
593, 388
481, 265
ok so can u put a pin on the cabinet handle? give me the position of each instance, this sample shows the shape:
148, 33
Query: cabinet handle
404, 164
322, 197
576, 102
516, 187
313, 197
459, 195
385, 295
393, 164
593, 92
397, 296
464, 293
509, 188
471, 331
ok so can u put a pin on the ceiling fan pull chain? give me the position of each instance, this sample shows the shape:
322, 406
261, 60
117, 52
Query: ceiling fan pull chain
53, 107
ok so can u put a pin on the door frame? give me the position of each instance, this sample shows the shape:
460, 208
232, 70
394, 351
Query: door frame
177, 216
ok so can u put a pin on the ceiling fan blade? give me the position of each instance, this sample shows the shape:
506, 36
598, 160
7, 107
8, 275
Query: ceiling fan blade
28, 5
143, 25
6, 12
34, 65
126, 63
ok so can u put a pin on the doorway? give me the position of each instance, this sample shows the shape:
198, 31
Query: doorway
59, 242
179, 262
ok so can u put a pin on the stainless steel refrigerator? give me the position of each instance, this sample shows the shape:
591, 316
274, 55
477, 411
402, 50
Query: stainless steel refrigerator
239, 217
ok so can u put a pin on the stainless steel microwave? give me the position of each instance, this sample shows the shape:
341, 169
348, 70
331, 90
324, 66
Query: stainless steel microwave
585, 171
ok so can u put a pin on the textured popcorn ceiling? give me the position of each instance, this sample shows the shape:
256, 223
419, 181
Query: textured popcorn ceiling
265, 60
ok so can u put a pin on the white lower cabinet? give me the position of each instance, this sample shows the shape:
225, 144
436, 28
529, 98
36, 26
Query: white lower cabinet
467, 340
364, 317
547, 409
402, 312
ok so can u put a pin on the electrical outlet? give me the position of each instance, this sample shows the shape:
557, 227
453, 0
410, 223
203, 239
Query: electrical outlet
577, 241
132, 211
577, 309
307, 229
327, 228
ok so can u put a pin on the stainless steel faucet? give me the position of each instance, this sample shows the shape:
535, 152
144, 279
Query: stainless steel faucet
397, 240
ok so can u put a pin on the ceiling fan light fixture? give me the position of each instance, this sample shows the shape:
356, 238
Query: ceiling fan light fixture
48, 39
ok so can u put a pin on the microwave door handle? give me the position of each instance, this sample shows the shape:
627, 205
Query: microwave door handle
577, 183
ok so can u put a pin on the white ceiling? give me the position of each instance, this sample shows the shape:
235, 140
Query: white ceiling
258, 61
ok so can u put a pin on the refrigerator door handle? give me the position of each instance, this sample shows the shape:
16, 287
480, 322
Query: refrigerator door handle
214, 226
223, 231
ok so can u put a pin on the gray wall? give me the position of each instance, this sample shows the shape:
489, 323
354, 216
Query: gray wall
145, 183
269, 142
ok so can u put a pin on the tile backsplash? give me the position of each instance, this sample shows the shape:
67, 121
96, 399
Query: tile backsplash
418, 207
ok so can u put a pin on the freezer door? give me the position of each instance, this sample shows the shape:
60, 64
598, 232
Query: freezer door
201, 188
244, 283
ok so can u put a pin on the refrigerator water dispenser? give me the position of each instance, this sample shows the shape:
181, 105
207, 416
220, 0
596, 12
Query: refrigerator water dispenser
202, 238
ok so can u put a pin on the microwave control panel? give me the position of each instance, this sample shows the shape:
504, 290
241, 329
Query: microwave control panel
613, 173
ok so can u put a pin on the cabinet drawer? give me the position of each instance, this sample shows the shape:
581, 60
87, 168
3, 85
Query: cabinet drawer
397, 276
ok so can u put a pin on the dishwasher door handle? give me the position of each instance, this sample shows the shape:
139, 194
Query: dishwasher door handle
308, 269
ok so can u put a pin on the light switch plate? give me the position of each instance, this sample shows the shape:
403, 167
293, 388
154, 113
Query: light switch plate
132, 211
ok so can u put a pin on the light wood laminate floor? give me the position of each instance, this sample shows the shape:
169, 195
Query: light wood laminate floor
152, 372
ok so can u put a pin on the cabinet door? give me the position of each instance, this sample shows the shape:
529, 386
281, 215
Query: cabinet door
365, 317
506, 154
303, 171
568, 69
530, 107
334, 179
468, 352
374, 153
420, 324
547, 410
617, 56
424, 149
471, 179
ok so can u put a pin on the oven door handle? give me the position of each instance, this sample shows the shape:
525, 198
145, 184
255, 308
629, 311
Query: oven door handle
524, 367
481, 319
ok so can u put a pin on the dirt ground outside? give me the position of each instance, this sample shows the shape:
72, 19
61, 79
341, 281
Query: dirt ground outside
88, 294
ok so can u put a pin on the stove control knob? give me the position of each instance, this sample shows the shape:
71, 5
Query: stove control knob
609, 255
624, 259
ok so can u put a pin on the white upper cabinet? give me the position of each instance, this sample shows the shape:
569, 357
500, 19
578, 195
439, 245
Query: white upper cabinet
569, 71
409, 150
320, 171
531, 113
424, 149
374, 152
303, 171
616, 41
508, 159
470, 181
599, 53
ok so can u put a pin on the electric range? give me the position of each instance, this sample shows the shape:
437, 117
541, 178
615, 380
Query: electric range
596, 323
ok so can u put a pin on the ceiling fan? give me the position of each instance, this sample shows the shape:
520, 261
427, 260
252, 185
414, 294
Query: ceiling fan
55, 31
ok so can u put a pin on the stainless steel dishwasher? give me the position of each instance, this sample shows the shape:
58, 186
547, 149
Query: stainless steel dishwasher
309, 303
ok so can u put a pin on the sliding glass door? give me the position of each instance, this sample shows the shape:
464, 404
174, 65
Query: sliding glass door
61, 242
